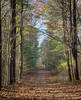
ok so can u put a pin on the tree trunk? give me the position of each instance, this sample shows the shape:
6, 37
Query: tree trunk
69, 67
70, 9
0, 49
74, 48
64, 16
21, 39
13, 41
71, 35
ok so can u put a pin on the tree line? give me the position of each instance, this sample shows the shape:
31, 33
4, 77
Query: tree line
63, 22
18, 35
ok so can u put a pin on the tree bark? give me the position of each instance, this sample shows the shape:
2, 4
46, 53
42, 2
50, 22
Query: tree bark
0, 49
69, 67
13, 42
71, 35
21, 39
64, 16
74, 48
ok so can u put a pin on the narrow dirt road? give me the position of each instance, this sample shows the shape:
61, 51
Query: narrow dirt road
37, 85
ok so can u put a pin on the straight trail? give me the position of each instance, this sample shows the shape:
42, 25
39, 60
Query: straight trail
37, 85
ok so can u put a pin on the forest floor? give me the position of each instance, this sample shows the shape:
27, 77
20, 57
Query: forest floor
39, 84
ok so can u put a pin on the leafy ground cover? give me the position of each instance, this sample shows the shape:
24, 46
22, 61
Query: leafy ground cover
37, 85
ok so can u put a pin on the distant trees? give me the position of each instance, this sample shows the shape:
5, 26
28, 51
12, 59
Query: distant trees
52, 54
30, 51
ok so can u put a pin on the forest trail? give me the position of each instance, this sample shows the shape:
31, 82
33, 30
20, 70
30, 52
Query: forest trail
37, 85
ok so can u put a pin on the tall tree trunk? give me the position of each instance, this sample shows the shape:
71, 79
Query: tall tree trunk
21, 39
64, 16
13, 42
0, 48
74, 49
71, 35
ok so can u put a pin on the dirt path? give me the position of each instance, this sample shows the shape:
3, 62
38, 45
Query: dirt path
37, 85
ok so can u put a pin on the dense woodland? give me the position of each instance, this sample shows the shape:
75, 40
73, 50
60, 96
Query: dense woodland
20, 29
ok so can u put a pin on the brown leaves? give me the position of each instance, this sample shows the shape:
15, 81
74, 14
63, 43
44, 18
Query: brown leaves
42, 88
